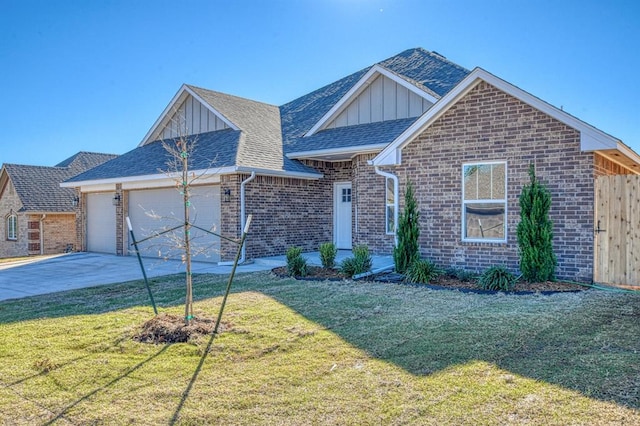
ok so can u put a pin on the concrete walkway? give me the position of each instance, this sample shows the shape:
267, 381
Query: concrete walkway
49, 274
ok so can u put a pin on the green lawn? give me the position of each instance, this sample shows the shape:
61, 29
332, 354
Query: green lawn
322, 353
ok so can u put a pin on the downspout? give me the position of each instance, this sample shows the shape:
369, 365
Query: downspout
243, 218
42, 233
395, 199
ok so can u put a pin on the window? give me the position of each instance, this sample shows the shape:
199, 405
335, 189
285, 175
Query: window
484, 202
346, 195
390, 196
12, 227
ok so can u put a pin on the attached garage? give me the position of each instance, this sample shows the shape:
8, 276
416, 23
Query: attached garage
156, 210
101, 223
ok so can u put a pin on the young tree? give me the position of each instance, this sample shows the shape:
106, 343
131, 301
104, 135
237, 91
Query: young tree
407, 250
176, 236
535, 234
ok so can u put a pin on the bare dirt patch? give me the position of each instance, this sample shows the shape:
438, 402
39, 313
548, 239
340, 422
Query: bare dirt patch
167, 328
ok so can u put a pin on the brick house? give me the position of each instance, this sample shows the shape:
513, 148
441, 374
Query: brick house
333, 165
38, 215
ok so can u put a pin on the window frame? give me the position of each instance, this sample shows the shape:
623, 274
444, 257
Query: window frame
500, 201
11, 236
389, 216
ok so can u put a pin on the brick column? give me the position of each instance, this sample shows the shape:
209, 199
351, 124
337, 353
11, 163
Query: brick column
120, 240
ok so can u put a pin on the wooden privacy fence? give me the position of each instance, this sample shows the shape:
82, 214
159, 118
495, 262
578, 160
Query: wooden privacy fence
617, 232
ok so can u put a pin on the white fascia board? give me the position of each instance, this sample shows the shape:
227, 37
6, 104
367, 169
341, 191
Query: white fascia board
178, 98
163, 180
590, 137
628, 152
280, 173
358, 88
391, 155
364, 149
128, 182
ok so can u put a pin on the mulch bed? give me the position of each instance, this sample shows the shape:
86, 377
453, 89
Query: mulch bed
167, 328
444, 282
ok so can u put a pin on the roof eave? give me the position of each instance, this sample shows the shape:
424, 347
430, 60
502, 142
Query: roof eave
182, 93
359, 87
345, 153
169, 179
591, 138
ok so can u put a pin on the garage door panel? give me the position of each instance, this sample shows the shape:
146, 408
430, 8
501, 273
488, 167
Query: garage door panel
101, 223
156, 212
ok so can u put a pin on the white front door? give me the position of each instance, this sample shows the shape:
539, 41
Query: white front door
342, 215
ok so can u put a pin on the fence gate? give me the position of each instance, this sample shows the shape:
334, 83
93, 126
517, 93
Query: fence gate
617, 232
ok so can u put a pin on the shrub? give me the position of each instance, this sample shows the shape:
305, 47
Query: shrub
422, 271
328, 252
462, 274
497, 278
407, 250
535, 235
359, 263
296, 264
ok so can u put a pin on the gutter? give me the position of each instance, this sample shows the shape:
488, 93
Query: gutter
243, 218
395, 199
168, 178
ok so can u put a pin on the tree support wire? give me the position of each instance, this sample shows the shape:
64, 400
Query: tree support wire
144, 273
239, 242
233, 271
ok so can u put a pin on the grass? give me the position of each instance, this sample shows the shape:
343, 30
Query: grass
322, 353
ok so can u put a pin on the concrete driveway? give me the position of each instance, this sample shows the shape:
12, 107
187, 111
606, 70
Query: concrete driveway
49, 274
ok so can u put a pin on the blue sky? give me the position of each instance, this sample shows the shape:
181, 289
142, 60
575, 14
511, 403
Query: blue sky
95, 75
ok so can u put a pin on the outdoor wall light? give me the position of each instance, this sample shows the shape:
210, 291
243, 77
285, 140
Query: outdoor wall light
75, 201
227, 195
116, 199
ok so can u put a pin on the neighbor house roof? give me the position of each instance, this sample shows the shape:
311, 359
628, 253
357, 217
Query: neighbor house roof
38, 187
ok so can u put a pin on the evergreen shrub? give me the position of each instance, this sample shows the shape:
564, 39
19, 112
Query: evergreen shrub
328, 253
407, 250
296, 264
535, 232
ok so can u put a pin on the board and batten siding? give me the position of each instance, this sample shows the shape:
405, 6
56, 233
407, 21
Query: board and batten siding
382, 100
192, 118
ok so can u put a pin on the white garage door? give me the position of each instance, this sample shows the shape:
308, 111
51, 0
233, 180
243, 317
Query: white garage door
101, 223
155, 210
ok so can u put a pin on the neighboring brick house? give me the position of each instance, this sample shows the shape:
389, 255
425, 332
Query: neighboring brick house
38, 215
333, 165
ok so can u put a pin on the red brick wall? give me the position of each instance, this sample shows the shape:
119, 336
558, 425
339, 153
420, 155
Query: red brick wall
489, 125
10, 202
370, 201
286, 212
59, 233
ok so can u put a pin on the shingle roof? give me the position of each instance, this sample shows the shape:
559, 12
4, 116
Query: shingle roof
152, 158
267, 132
38, 187
261, 145
381, 132
426, 70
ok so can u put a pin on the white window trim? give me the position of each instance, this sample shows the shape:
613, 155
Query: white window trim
387, 205
501, 201
13, 217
